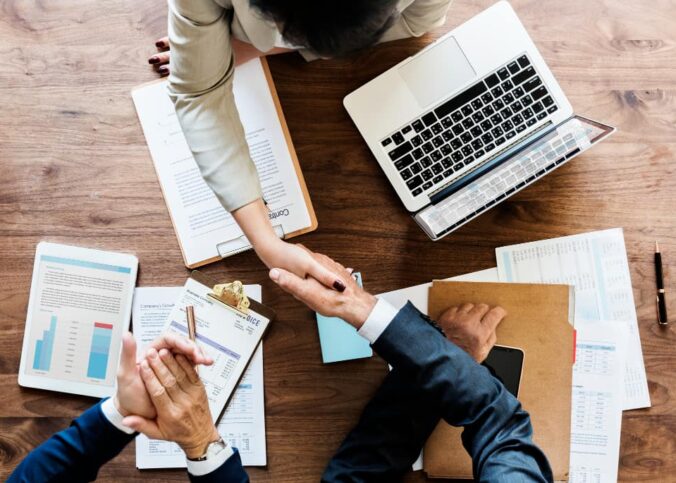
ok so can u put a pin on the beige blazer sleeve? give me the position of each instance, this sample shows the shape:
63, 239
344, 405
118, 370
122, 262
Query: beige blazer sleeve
420, 17
200, 85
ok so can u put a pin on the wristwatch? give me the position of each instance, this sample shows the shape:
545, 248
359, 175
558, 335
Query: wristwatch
212, 450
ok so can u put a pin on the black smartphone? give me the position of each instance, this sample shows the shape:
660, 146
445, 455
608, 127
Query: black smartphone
506, 365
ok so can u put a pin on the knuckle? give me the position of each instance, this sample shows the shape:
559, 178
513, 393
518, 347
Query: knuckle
159, 391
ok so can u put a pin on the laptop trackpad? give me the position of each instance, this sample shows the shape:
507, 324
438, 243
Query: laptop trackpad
437, 73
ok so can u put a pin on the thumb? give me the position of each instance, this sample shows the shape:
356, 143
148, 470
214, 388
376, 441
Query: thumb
143, 425
289, 282
128, 356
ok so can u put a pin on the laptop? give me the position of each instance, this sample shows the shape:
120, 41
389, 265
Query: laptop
468, 121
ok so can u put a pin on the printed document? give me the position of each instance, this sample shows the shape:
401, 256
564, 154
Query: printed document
200, 221
596, 264
596, 417
242, 424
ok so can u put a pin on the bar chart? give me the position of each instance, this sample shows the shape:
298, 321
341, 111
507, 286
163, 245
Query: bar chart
100, 350
44, 347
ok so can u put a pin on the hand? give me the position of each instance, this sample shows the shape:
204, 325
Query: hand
183, 414
353, 305
181, 345
254, 221
472, 328
242, 51
131, 396
160, 61
303, 263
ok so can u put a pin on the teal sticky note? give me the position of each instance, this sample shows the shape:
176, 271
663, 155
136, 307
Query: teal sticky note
339, 340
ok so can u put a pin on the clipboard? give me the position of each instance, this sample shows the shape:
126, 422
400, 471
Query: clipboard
229, 247
246, 312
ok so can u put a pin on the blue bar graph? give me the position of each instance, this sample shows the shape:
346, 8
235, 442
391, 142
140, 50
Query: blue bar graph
43, 348
100, 350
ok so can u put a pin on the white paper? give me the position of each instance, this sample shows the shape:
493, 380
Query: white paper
200, 221
596, 264
418, 296
596, 417
242, 424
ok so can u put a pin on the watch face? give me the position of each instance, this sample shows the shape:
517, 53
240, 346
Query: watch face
216, 447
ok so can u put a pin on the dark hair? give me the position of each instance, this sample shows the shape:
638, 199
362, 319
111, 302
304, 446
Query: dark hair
329, 27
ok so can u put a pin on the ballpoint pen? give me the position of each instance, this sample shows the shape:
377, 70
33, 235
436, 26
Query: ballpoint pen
192, 330
661, 296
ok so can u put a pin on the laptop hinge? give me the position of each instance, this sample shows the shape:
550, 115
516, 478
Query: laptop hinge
490, 163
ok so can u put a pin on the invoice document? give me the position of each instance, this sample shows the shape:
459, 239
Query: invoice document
596, 264
596, 418
205, 230
242, 424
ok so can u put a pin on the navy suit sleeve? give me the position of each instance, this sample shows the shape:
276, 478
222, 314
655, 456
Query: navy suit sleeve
387, 440
74, 454
231, 471
452, 386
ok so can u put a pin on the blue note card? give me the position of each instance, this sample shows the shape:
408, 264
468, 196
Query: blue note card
339, 340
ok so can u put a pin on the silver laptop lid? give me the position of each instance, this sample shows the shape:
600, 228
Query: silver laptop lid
493, 183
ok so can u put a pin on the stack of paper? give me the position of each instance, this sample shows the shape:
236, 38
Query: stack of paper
609, 374
596, 264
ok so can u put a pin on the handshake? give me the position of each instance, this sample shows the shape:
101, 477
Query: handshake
162, 396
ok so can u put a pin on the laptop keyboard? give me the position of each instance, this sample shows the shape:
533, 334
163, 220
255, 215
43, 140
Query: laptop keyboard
500, 183
464, 129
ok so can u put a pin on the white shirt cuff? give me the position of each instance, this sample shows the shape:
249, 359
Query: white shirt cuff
378, 320
200, 468
113, 415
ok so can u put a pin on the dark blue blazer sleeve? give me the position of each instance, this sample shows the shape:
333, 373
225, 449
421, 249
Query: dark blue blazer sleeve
231, 471
449, 385
74, 454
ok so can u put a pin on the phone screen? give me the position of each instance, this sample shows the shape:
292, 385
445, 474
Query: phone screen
506, 363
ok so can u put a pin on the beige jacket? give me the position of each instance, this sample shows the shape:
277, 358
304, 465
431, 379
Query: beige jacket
200, 83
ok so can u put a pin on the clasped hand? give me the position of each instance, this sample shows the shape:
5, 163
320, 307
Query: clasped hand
162, 396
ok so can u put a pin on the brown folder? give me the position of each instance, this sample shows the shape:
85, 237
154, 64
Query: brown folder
538, 323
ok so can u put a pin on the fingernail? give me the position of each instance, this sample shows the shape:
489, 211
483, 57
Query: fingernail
159, 44
274, 274
163, 70
338, 285
152, 353
154, 60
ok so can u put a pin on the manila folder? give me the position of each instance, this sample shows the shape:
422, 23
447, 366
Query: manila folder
537, 322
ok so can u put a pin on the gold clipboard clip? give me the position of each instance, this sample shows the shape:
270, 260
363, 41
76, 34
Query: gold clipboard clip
232, 294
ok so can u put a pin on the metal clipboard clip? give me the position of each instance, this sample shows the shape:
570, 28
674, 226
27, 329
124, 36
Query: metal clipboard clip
232, 295
241, 244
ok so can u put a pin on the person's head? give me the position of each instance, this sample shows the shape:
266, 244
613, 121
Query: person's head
330, 27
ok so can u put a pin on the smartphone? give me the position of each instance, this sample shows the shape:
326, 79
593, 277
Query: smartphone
506, 365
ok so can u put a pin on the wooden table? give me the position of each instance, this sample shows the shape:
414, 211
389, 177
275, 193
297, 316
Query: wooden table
75, 169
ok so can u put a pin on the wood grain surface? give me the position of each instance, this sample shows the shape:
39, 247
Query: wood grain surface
75, 169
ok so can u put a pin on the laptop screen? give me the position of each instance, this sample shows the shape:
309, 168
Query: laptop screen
482, 189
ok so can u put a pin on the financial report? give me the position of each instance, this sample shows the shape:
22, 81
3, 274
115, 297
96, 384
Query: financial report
79, 309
